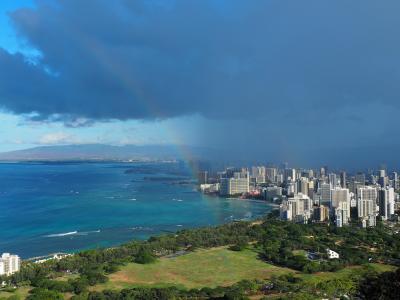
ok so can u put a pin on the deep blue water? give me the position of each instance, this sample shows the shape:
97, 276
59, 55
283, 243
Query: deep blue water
47, 208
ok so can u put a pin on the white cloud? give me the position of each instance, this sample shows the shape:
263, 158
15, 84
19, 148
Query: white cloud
57, 138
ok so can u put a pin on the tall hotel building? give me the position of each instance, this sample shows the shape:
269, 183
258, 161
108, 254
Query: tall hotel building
236, 185
9, 264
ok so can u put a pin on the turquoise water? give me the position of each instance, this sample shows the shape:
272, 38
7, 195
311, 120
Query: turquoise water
47, 208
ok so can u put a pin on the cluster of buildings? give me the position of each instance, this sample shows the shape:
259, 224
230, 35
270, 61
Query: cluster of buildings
9, 264
307, 195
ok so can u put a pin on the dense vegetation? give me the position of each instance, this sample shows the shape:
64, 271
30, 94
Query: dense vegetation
381, 286
299, 247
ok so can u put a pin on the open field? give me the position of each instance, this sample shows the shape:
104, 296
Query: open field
211, 268
21, 293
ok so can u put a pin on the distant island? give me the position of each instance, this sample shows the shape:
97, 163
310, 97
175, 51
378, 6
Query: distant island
100, 152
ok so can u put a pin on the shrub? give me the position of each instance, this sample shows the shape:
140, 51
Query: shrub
144, 256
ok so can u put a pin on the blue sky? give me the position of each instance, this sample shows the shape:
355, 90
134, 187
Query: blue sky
306, 81
8, 39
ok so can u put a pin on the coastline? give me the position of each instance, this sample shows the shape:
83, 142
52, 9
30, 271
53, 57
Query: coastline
254, 220
87, 197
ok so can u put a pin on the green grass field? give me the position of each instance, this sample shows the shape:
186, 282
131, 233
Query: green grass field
21, 293
211, 267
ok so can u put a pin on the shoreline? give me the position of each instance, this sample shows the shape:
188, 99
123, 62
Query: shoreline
50, 256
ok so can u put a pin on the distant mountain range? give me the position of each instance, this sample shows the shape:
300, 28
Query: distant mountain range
358, 158
107, 152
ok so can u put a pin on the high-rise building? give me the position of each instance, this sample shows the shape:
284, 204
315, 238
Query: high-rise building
290, 174
307, 173
279, 178
297, 208
321, 213
9, 264
258, 173
339, 195
270, 174
354, 185
360, 177
291, 188
302, 186
395, 180
366, 204
322, 172
333, 180
383, 180
343, 179
236, 185
325, 194
340, 204
342, 213
386, 202
311, 189
338, 217
270, 193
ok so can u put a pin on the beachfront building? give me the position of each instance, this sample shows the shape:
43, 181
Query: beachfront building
9, 264
209, 188
238, 184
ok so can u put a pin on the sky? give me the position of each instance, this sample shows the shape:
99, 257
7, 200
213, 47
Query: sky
312, 81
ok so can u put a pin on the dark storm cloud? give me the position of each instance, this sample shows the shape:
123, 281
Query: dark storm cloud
223, 59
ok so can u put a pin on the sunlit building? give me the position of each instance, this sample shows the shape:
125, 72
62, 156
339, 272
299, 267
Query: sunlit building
9, 264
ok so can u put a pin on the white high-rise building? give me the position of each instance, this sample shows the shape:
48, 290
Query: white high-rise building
386, 202
290, 174
340, 203
236, 185
279, 178
298, 208
367, 204
9, 264
270, 174
333, 180
395, 180
339, 195
258, 173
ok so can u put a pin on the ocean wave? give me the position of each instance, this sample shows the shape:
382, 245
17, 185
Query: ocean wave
88, 232
72, 233
62, 234
140, 228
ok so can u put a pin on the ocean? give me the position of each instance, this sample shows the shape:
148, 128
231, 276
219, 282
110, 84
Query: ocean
67, 207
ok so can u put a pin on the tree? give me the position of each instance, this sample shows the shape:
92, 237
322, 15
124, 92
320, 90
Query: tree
144, 256
43, 294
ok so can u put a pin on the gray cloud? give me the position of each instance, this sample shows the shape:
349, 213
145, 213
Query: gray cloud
230, 59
